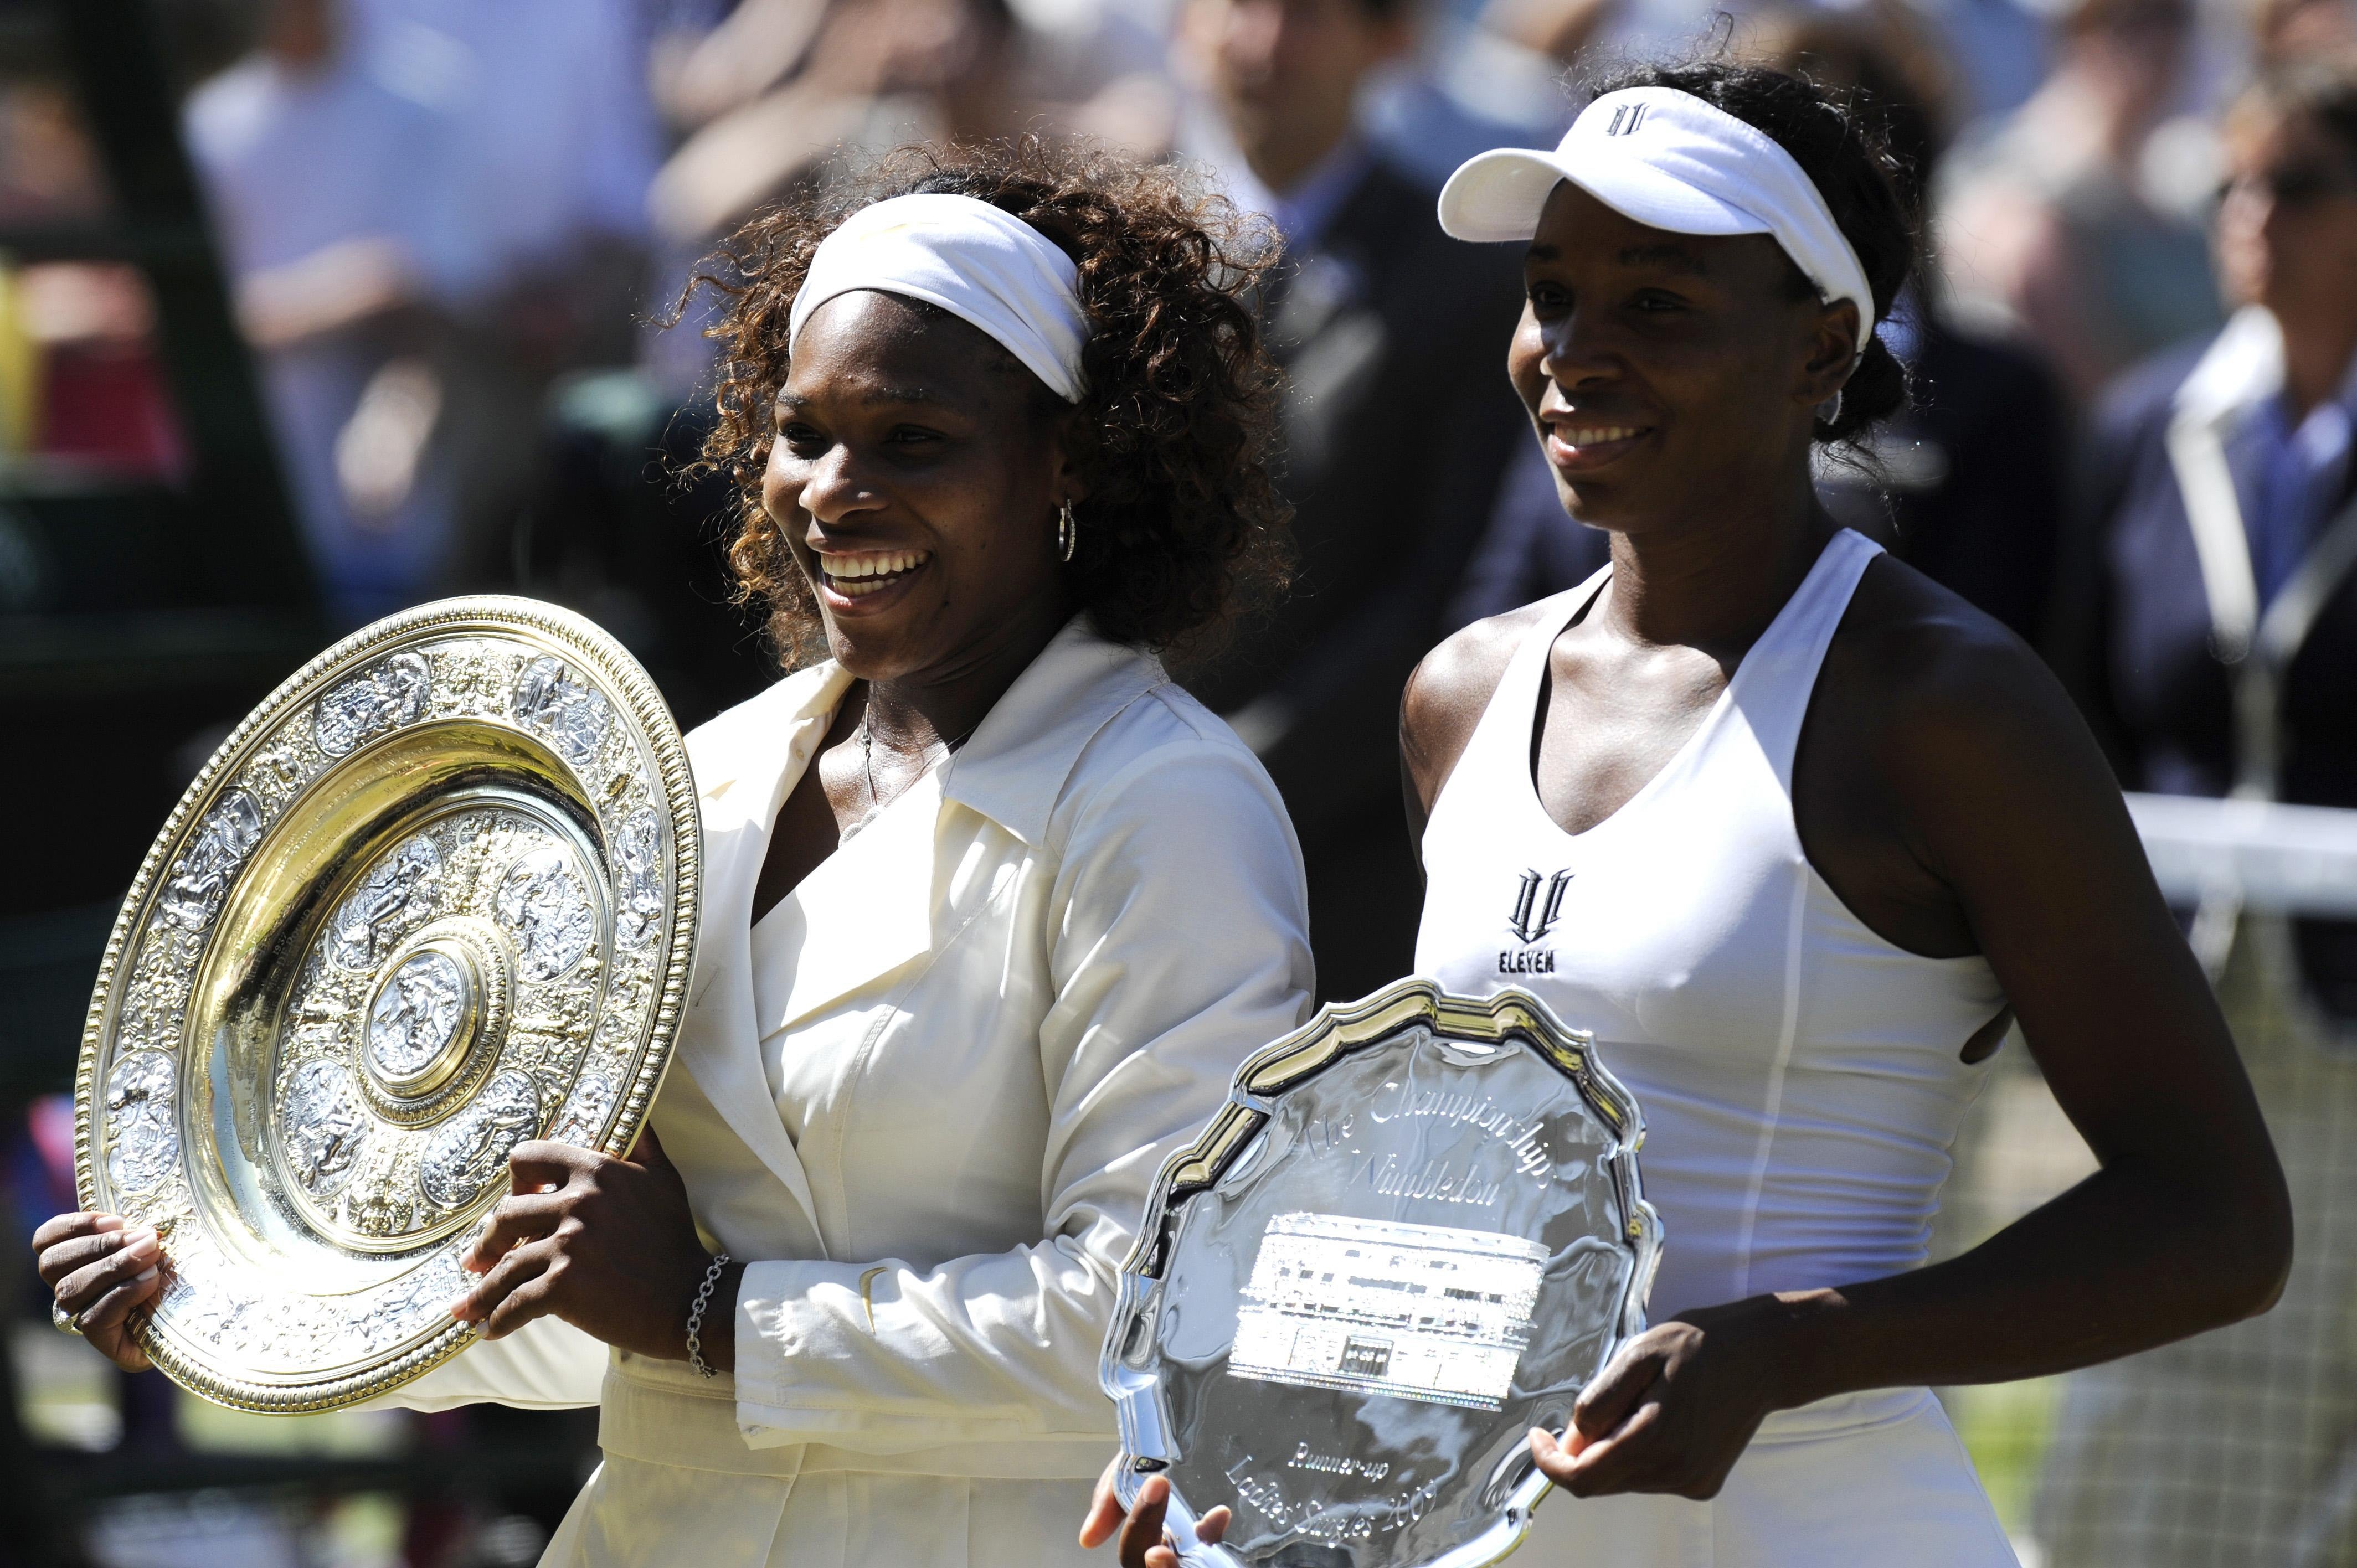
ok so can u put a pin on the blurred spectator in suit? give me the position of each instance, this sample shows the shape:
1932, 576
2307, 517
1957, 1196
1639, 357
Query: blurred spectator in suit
2075, 221
1966, 484
2216, 647
1398, 423
2222, 479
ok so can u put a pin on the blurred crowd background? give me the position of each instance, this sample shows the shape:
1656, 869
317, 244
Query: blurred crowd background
312, 309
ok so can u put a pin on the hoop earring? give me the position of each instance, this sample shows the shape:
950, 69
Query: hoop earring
1068, 533
1834, 403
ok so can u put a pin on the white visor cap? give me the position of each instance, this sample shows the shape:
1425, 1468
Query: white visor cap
1672, 162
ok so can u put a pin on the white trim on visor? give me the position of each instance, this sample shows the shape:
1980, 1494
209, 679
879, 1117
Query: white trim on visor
1670, 161
985, 266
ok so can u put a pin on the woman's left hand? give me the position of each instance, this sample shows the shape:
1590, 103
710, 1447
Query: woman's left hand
1143, 1542
1672, 1412
606, 1244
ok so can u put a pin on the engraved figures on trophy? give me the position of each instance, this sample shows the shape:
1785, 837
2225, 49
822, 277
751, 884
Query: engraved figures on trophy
402, 1056
544, 906
202, 878
638, 879
553, 701
417, 1013
495, 965
146, 1139
326, 1125
395, 893
390, 694
469, 1151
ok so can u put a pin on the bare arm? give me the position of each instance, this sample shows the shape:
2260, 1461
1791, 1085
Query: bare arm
2004, 800
2000, 804
2187, 1224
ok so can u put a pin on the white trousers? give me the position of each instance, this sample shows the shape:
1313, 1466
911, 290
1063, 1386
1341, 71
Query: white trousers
1874, 1480
633, 1514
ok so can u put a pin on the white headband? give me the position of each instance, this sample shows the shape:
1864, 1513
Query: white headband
1672, 162
985, 266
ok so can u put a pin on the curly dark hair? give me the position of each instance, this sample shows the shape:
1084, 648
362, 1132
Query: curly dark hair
1841, 139
1183, 528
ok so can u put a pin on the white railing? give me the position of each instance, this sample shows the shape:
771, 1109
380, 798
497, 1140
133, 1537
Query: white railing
2294, 860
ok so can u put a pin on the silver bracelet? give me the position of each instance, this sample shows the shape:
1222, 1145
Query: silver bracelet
695, 1319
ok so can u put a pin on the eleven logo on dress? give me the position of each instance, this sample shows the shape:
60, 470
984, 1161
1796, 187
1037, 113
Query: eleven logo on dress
1538, 905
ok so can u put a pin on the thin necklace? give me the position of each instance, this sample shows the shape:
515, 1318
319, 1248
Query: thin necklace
868, 760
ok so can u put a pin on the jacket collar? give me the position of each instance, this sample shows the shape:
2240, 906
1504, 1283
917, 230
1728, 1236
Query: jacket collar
775, 735
1015, 766
746, 761
1011, 771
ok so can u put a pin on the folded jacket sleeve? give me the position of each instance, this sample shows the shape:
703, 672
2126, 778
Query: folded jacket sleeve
1176, 944
547, 1364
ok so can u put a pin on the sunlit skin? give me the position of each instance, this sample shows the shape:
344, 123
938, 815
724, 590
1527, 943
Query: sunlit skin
1675, 337
2294, 252
1944, 789
900, 432
903, 438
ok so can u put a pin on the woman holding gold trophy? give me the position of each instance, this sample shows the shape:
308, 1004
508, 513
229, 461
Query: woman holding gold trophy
1798, 834
991, 908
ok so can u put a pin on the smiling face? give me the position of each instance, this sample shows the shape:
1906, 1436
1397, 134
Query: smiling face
1669, 373
916, 473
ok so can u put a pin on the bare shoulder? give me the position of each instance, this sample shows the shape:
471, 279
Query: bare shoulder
1943, 693
1449, 688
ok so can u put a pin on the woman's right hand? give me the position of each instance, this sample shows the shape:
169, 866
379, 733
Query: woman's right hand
102, 1272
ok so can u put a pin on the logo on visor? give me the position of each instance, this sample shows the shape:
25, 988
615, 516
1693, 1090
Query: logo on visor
1625, 119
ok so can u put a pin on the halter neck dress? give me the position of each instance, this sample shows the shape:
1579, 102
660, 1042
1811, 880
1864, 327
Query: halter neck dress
1800, 1077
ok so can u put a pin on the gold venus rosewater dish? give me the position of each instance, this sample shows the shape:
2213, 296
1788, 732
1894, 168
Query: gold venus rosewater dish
434, 896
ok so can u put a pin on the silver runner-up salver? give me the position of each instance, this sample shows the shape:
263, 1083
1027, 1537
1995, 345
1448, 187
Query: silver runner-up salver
1413, 1232
434, 896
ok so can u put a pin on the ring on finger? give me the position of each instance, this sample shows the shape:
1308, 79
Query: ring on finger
66, 1322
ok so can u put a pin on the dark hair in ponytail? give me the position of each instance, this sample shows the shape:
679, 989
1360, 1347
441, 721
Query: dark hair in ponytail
1840, 143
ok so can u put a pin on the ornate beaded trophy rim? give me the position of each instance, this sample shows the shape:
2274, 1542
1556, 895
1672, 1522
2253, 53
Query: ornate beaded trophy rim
1340, 1029
613, 666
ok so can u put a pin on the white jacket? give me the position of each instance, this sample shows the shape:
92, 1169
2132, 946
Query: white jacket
1006, 1002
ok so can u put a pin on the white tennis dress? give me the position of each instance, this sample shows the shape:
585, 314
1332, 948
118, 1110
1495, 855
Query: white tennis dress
1800, 1077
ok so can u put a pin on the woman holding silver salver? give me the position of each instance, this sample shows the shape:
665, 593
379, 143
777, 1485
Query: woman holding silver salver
993, 908
1797, 834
